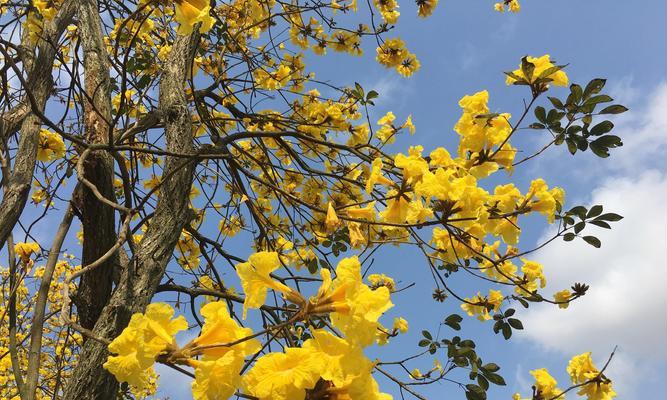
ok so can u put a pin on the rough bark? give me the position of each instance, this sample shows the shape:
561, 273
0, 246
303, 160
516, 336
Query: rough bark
97, 218
139, 281
40, 84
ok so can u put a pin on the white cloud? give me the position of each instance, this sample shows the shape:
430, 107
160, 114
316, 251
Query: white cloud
643, 131
626, 302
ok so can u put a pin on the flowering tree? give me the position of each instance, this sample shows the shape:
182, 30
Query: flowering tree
179, 134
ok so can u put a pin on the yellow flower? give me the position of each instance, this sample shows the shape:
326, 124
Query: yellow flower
480, 304
220, 328
408, 66
343, 366
217, 374
401, 325
141, 342
562, 297
545, 201
376, 176
533, 272
51, 146
581, 370
283, 376
379, 280
426, 7
191, 12
25, 250
359, 322
218, 378
545, 384
366, 213
331, 222
273, 80
396, 211
542, 64
256, 280
413, 165
418, 213
391, 53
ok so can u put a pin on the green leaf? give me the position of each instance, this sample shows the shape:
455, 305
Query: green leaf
312, 265
609, 141
594, 87
479, 393
454, 321
507, 331
615, 109
593, 241
594, 211
496, 379
602, 128
527, 68
515, 323
579, 211
579, 226
541, 114
551, 70
427, 335
603, 98
556, 102
601, 224
611, 217
359, 89
424, 343
490, 367
482, 382
514, 76
576, 94
568, 237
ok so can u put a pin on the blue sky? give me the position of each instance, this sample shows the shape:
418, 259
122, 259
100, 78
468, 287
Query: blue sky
463, 48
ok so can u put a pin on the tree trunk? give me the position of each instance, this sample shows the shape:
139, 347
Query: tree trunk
139, 281
99, 234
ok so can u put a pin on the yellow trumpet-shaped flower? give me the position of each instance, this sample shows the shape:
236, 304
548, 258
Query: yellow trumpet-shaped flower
51, 146
146, 337
191, 12
581, 370
218, 378
25, 250
345, 370
366, 213
221, 329
223, 347
331, 222
256, 280
376, 176
359, 323
283, 376
545, 384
